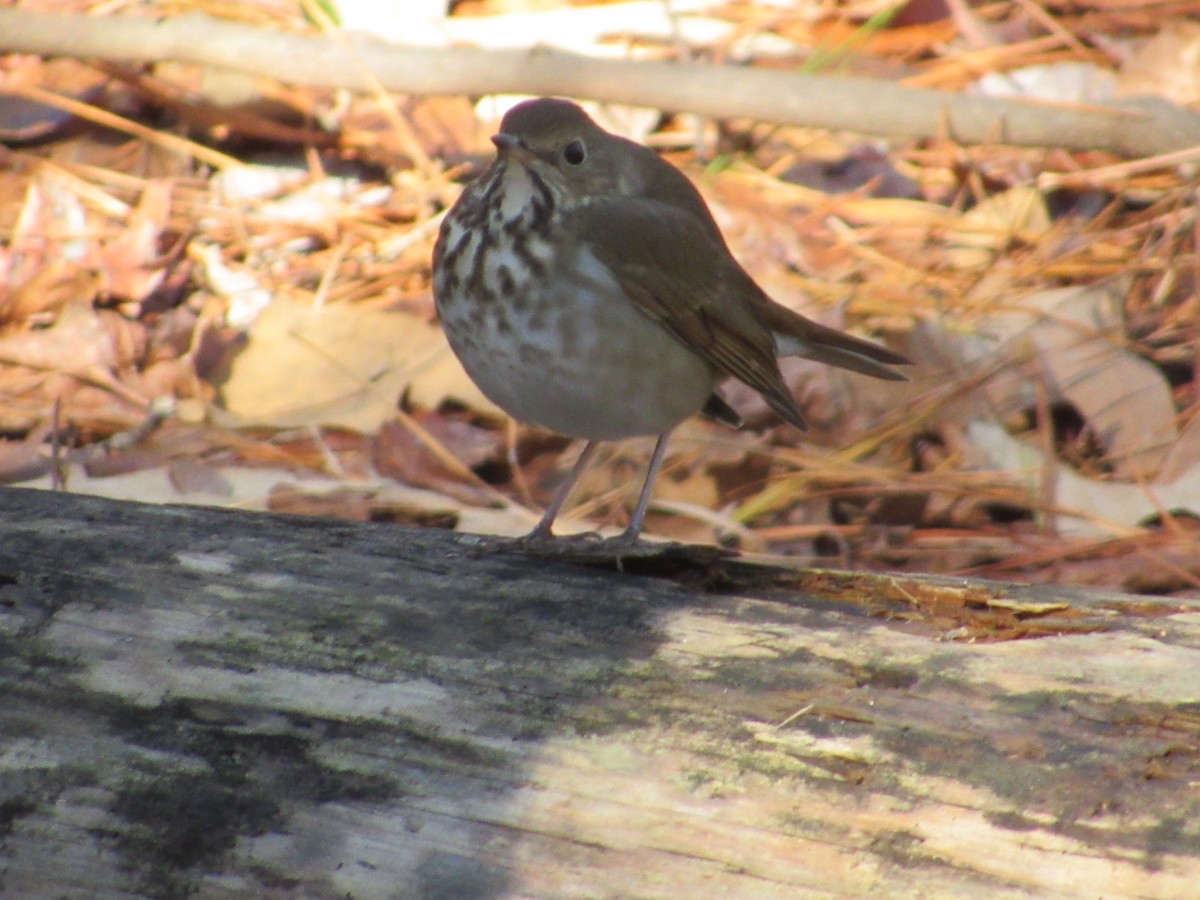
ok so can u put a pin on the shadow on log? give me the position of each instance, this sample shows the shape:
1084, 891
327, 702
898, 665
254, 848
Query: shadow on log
199, 702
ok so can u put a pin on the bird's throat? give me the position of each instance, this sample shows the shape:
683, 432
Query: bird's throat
522, 200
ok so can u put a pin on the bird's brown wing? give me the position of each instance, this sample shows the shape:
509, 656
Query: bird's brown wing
668, 265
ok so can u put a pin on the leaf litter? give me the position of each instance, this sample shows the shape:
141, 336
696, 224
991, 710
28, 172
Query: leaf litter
270, 281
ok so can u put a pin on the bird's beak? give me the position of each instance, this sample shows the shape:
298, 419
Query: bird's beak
513, 147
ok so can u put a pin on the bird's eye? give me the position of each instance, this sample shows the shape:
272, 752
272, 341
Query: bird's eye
574, 153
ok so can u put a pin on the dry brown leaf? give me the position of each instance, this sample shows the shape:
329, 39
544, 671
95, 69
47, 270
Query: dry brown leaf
340, 365
47, 262
193, 476
25, 459
688, 483
60, 254
1067, 345
448, 126
910, 40
22, 119
397, 452
1167, 65
129, 261
987, 229
358, 504
172, 378
77, 343
1087, 506
59, 283
1184, 454
1077, 338
77, 363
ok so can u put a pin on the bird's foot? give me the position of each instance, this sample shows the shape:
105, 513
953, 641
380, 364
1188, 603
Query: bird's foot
544, 537
588, 547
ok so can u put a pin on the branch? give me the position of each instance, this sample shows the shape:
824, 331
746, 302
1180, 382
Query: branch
1143, 127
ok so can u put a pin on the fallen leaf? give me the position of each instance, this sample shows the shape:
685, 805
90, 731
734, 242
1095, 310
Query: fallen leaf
25, 459
358, 505
1070, 344
1077, 335
59, 283
24, 119
193, 476
129, 260
48, 259
1167, 65
340, 365
81, 354
399, 453
1085, 506
1183, 455
985, 230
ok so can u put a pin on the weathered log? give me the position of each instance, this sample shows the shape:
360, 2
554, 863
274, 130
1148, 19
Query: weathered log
220, 704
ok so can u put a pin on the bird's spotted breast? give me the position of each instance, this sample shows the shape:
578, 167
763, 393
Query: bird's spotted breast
544, 328
548, 337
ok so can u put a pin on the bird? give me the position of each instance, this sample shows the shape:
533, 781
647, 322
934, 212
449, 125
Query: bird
586, 288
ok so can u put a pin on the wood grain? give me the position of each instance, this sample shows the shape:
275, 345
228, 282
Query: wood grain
219, 704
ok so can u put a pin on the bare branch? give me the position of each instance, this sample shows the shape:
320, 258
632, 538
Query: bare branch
1143, 127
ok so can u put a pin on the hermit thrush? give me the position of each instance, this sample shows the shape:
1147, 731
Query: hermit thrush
586, 288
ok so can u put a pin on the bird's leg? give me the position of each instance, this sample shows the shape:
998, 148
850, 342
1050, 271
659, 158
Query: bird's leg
542, 531
630, 534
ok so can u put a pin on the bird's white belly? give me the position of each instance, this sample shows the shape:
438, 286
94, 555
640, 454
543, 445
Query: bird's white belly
582, 361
